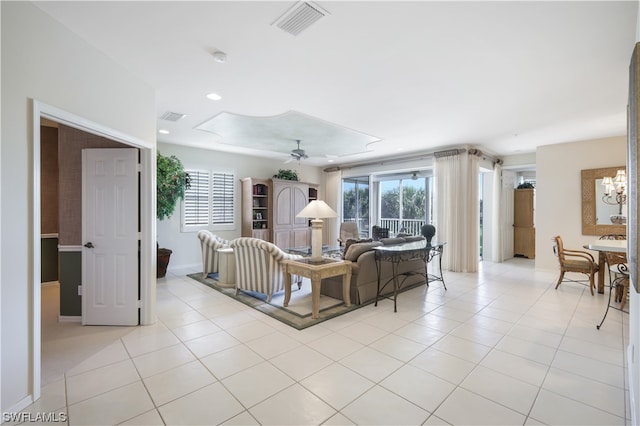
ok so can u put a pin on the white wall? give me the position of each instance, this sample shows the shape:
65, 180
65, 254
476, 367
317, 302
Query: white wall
44, 61
634, 326
185, 245
558, 191
519, 161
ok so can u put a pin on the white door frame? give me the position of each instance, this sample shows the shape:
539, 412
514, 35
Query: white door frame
147, 221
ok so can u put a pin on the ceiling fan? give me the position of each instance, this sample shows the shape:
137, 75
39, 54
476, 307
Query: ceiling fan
297, 154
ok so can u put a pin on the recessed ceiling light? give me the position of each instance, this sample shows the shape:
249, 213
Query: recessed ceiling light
163, 131
329, 161
214, 96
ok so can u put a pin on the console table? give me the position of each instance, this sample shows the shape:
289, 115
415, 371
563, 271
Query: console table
404, 252
316, 271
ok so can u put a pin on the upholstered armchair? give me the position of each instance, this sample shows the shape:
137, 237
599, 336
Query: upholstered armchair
258, 266
210, 244
348, 231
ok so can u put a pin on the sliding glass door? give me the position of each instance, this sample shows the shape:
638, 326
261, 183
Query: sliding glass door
355, 202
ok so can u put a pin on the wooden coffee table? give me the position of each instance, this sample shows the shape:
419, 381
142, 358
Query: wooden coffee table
316, 271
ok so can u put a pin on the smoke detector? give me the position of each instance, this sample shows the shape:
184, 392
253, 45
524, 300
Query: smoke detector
300, 17
220, 57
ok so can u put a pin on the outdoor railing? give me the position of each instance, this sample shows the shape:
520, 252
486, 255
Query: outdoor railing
411, 226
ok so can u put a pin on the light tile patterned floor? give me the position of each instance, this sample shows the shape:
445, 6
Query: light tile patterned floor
499, 347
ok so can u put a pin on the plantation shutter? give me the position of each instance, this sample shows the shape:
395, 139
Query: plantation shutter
196, 199
223, 195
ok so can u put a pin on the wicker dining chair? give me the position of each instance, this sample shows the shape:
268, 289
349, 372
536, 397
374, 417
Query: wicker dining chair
577, 261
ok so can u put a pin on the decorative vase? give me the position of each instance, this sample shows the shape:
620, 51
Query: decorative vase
618, 219
428, 231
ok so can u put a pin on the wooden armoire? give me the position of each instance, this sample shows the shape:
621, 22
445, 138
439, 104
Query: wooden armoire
524, 233
269, 209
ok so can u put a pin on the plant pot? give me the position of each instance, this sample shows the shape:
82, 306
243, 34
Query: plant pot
163, 261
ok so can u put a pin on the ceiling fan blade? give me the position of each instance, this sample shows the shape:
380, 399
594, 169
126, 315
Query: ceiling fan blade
287, 161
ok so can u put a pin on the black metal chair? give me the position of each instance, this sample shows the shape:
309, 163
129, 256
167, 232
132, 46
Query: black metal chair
620, 284
379, 233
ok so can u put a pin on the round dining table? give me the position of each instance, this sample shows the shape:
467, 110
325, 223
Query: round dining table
602, 247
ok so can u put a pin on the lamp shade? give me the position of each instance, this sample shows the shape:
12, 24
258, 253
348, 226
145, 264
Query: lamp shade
607, 180
317, 209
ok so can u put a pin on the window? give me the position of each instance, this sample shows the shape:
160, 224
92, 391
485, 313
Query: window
222, 203
209, 203
196, 199
405, 203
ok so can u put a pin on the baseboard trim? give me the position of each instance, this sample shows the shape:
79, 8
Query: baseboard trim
20, 405
50, 284
69, 318
184, 269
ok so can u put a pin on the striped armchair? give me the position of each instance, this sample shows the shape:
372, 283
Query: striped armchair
210, 244
258, 267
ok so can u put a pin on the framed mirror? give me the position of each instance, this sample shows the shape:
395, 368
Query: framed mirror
595, 212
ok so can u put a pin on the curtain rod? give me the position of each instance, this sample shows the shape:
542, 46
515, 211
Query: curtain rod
477, 152
435, 154
449, 152
380, 163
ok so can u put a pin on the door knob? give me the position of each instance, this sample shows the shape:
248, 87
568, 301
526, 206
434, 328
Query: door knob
89, 245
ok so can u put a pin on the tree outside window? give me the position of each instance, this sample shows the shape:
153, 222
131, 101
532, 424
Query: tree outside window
355, 202
404, 204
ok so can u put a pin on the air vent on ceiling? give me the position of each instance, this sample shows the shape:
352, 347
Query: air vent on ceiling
300, 17
172, 116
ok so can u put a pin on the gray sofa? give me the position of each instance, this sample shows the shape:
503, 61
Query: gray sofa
364, 276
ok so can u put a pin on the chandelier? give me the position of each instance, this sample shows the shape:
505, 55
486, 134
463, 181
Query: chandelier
615, 190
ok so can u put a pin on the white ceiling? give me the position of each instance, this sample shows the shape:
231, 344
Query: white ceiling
502, 76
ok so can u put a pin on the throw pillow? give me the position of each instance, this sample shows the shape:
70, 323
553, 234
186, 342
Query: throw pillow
351, 241
390, 241
355, 250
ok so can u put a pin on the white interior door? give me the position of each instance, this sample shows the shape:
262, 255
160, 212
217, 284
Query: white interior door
110, 236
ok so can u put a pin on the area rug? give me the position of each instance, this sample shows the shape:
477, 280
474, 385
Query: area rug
296, 315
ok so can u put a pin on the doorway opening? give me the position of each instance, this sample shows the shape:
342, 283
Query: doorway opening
147, 221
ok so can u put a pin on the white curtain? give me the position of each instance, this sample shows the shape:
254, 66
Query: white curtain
333, 197
457, 218
497, 252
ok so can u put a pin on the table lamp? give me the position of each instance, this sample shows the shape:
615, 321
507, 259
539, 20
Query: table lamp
316, 210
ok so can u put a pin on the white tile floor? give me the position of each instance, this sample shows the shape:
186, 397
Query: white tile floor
499, 347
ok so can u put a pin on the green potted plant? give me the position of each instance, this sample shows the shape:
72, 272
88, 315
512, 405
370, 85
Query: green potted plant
171, 182
526, 185
286, 174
